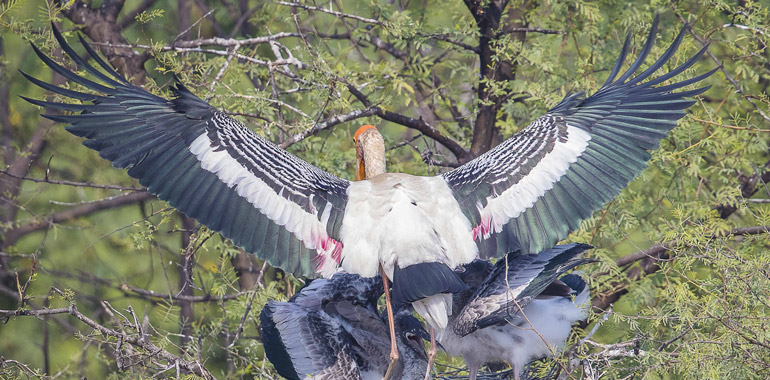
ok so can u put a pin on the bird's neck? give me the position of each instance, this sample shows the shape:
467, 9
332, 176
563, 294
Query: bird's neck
374, 166
374, 156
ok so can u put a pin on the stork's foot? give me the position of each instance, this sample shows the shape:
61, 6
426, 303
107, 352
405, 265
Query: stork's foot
391, 366
432, 351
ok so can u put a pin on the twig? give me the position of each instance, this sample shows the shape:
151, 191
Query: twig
178, 36
224, 67
727, 126
331, 12
14, 234
138, 341
330, 122
243, 319
130, 18
72, 183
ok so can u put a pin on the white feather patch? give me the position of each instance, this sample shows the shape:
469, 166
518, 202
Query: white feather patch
404, 219
305, 226
518, 198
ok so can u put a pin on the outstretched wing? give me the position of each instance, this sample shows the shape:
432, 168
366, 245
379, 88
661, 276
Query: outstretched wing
208, 166
535, 187
513, 284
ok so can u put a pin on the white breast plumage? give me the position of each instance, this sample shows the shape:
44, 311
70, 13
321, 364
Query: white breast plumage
415, 219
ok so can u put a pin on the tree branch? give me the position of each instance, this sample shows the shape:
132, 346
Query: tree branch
648, 263
13, 235
331, 12
138, 340
328, 123
72, 183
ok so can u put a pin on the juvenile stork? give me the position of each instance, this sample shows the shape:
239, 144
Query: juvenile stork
525, 194
331, 330
518, 310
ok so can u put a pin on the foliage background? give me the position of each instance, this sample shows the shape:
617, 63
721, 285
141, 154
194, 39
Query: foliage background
683, 285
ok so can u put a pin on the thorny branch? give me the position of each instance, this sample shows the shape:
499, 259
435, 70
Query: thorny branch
138, 339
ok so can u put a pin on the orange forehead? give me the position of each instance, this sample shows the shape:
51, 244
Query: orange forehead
362, 130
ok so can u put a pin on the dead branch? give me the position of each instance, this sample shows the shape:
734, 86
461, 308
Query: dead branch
137, 340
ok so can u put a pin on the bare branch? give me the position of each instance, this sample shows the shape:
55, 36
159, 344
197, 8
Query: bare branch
534, 30
73, 183
138, 340
446, 38
328, 123
231, 42
85, 209
331, 12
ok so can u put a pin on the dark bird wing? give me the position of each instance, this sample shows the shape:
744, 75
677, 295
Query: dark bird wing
535, 187
362, 291
303, 342
513, 284
207, 165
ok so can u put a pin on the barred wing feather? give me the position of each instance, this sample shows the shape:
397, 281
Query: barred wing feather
209, 166
531, 190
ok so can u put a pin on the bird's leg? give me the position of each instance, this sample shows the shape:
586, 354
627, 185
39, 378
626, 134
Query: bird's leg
393, 347
473, 371
516, 372
432, 351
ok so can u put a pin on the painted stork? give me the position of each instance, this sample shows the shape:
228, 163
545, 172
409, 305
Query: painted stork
525, 194
331, 330
516, 311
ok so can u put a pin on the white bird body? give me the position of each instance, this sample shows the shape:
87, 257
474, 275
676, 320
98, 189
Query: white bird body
397, 219
517, 343
401, 219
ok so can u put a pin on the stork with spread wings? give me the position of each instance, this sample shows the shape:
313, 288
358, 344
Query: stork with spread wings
525, 194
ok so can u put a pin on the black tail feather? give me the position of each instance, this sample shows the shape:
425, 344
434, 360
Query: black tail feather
678, 70
419, 281
63, 91
620, 61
